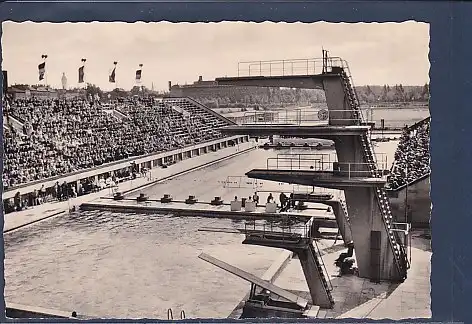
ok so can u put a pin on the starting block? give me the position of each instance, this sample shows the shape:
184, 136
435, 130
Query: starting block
142, 197
217, 201
166, 199
191, 200
118, 196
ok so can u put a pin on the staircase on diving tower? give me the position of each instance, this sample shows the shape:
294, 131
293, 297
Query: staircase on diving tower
400, 255
378, 242
308, 253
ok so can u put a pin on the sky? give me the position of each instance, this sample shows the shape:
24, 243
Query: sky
377, 53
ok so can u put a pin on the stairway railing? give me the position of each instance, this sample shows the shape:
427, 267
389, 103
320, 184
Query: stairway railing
345, 67
344, 207
384, 205
321, 261
324, 278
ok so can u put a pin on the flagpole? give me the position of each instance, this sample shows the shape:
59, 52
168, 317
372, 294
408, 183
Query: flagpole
44, 57
138, 81
46, 72
85, 78
116, 80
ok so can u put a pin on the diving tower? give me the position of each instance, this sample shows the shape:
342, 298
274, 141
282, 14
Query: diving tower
379, 241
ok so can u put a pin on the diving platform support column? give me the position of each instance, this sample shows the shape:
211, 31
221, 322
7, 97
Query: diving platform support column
374, 254
373, 248
309, 259
375, 259
343, 221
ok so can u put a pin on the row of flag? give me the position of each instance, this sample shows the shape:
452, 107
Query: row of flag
81, 71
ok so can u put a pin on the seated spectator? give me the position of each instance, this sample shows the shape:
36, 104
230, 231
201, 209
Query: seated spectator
412, 158
62, 136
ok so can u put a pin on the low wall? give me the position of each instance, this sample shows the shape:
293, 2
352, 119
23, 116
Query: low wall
419, 203
23, 311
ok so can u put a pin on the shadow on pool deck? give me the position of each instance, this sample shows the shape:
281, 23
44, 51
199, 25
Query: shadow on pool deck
359, 298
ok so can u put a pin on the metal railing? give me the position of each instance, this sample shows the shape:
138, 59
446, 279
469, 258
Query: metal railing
322, 264
296, 188
301, 162
357, 170
170, 315
276, 229
323, 162
402, 235
302, 116
309, 66
348, 170
328, 157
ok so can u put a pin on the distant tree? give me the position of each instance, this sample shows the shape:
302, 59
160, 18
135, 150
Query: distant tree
92, 90
399, 94
137, 90
425, 92
384, 95
118, 93
20, 86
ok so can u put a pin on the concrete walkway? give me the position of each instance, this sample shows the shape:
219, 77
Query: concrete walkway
411, 299
32, 215
361, 299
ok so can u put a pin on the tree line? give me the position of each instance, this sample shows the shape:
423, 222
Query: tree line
266, 97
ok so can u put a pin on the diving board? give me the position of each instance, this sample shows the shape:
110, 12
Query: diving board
255, 280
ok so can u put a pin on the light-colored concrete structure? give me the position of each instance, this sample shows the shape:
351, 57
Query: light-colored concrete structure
380, 252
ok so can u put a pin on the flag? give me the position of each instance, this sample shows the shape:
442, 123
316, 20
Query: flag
42, 70
138, 75
81, 74
111, 77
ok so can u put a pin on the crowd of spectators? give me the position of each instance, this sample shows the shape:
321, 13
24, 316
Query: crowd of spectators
62, 136
412, 158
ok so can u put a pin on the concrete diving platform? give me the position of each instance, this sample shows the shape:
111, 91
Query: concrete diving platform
324, 179
299, 131
287, 81
207, 210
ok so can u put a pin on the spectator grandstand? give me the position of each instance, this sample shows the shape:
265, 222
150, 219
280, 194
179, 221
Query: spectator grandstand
412, 158
60, 136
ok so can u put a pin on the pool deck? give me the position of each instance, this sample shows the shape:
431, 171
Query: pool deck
361, 299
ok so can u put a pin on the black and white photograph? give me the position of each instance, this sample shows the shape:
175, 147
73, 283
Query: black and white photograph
230, 170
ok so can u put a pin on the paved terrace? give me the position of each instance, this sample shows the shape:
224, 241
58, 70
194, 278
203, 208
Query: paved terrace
359, 298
